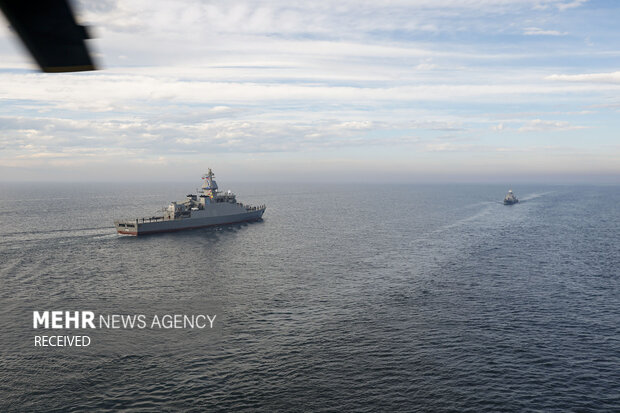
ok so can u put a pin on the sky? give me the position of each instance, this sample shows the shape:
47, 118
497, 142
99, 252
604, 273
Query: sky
382, 91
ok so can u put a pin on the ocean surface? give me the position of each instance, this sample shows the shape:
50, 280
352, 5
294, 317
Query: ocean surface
343, 298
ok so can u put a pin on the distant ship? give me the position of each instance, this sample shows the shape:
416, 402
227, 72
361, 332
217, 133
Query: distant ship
210, 207
510, 198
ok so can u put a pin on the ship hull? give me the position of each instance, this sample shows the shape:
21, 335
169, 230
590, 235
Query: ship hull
136, 227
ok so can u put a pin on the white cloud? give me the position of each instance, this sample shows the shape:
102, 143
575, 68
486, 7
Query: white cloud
426, 66
131, 95
498, 128
561, 5
535, 31
538, 125
613, 77
570, 4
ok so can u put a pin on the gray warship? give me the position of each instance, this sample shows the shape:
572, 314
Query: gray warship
510, 198
208, 208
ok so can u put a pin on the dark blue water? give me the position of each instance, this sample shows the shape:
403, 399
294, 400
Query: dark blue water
406, 298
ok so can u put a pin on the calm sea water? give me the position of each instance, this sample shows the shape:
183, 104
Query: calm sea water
406, 298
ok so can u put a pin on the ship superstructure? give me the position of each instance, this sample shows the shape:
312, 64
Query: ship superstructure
207, 208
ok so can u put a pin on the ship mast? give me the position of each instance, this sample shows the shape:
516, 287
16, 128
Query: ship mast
209, 186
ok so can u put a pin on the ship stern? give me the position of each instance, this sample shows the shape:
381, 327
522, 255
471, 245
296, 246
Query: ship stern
126, 227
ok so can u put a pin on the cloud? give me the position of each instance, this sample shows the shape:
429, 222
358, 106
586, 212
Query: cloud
127, 95
538, 125
426, 66
285, 17
139, 138
321, 80
535, 31
561, 5
613, 77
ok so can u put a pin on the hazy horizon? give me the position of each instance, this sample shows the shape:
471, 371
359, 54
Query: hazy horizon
325, 180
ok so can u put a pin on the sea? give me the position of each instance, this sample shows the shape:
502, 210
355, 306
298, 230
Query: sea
345, 297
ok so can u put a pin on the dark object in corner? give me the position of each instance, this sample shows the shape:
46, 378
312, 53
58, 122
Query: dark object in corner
50, 33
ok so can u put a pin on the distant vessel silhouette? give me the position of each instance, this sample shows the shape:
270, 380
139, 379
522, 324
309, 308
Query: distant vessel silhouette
510, 198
